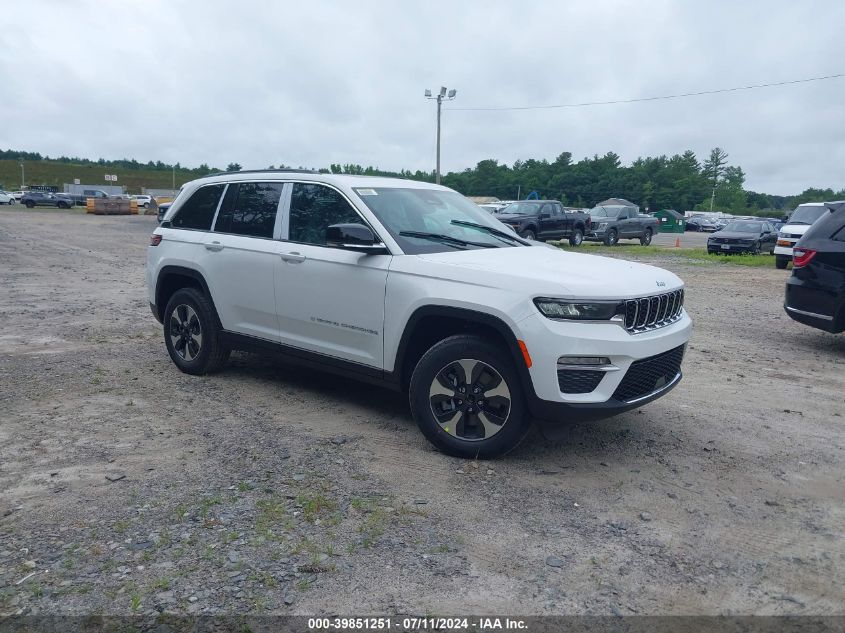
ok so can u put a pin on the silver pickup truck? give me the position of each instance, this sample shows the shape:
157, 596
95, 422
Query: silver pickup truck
611, 223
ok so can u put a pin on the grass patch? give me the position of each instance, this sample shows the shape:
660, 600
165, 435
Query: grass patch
315, 504
694, 254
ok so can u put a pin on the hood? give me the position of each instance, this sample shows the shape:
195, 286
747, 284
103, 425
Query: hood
549, 271
504, 217
794, 229
734, 235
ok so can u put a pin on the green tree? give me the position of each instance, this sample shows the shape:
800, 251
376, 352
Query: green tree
233, 167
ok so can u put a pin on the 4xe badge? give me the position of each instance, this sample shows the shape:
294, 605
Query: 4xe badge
661, 284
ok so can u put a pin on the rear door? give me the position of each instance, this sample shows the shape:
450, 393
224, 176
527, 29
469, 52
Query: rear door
328, 300
238, 258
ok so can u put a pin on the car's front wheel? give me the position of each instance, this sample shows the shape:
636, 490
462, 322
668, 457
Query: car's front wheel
781, 262
611, 238
466, 398
30, 204
528, 234
192, 334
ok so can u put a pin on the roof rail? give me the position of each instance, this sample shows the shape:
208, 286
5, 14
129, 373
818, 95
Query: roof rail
263, 171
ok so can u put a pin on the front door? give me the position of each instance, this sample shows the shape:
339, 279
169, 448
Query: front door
328, 300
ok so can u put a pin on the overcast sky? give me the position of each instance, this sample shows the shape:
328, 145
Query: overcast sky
313, 83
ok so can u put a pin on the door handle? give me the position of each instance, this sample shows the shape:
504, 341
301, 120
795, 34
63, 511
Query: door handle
294, 258
214, 246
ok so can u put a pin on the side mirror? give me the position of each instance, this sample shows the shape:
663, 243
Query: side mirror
354, 237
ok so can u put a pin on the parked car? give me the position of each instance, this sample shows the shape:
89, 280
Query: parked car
743, 236
411, 286
545, 220
41, 199
17, 195
815, 293
699, 223
162, 210
611, 223
799, 221
6, 198
143, 201
81, 199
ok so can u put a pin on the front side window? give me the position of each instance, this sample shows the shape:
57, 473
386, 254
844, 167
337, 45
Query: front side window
249, 208
313, 209
198, 210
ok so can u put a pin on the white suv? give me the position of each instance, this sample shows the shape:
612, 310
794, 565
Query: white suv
411, 286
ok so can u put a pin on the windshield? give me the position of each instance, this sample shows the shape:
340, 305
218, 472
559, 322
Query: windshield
743, 227
521, 208
605, 212
434, 212
806, 214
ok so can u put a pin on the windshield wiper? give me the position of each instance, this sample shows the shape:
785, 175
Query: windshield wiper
490, 230
446, 239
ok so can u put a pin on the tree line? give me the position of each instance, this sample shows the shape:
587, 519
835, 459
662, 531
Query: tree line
680, 182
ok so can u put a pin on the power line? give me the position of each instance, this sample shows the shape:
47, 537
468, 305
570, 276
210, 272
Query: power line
676, 96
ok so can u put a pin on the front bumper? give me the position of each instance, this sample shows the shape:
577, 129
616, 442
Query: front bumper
547, 340
729, 248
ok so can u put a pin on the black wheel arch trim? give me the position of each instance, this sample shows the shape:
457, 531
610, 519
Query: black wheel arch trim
470, 316
183, 271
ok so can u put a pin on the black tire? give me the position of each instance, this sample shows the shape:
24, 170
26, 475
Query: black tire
645, 240
611, 238
528, 234
577, 238
63, 205
146, 205
30, 204
468, 438
755, 250
781, 262
206, 355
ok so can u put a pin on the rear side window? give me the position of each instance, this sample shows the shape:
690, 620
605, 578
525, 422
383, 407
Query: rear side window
198, 210
250, 209
314, 208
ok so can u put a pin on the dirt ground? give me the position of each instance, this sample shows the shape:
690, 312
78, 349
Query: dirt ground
129, 487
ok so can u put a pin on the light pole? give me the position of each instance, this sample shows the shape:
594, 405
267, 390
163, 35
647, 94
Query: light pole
174, 176
441, 96
23, 180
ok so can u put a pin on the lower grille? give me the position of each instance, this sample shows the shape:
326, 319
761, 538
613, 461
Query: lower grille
650, 374
578, 380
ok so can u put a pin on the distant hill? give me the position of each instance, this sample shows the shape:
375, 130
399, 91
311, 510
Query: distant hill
49, 172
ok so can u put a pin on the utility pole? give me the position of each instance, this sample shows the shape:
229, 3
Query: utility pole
174, 176
441, 96
712, 198
23, 180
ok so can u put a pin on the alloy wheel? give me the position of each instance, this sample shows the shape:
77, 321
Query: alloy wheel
470, 400
185, 332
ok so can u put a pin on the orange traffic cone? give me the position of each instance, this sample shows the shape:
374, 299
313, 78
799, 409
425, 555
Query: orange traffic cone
677, 242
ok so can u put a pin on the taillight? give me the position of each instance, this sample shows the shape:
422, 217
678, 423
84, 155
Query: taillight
155, 239
588, 223
802, 256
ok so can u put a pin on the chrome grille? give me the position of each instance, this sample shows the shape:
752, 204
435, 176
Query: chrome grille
650, 313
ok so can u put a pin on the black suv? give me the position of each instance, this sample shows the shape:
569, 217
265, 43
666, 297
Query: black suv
41, 199
815, 293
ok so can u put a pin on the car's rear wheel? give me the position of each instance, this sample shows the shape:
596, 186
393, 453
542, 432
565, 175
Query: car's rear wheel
577, 238
611, 238
192, 334
528, 234
466, 398
645, 240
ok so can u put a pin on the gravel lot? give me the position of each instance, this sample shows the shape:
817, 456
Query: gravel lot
128, 487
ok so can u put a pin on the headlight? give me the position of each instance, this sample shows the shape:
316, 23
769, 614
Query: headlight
601, 225
591, 311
